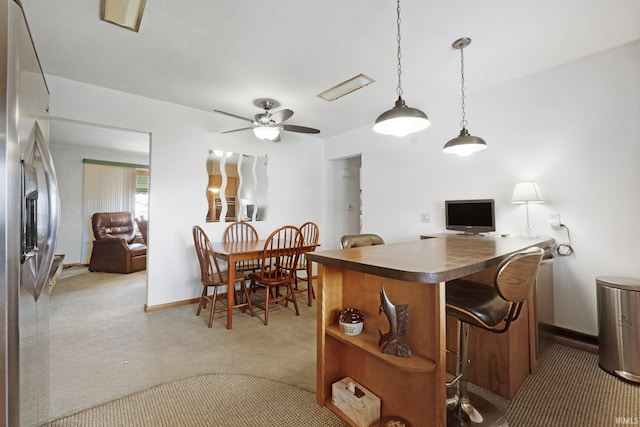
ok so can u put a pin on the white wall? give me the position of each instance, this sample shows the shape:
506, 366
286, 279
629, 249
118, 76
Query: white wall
180, 140
574, 129
70, 171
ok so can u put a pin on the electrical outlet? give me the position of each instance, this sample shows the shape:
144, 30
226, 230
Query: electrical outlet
425, 217
554, 220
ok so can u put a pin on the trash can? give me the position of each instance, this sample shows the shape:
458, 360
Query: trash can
618, 301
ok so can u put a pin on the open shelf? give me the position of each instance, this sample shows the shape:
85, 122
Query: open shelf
369, 344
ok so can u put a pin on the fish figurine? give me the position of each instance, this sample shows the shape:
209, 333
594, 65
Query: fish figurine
398, 317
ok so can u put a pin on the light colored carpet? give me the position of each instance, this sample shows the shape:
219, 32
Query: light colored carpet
105, 348
103, 344
210, 400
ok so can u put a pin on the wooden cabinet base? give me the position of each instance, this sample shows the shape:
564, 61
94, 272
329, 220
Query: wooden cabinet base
412, 273
410, 387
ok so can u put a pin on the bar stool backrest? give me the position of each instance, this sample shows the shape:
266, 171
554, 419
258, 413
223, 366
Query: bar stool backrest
516, 275
359, 240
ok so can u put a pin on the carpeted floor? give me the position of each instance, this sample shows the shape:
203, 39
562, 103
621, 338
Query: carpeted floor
209, 400
105, 348
569, 389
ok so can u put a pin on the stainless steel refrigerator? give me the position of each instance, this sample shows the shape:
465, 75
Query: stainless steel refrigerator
29, 221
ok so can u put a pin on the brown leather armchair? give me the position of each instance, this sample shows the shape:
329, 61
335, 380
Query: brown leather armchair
114, 249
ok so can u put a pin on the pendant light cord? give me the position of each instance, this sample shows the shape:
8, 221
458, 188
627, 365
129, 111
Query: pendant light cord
463, 122
400, 120
464, 144
399, 88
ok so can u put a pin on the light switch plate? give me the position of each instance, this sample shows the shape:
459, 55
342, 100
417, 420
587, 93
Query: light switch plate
425, 217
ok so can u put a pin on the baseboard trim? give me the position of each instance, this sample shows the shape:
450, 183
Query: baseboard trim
75, 264
576, 339
149, 308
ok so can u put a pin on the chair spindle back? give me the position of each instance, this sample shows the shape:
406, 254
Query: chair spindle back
209, 268
281, 252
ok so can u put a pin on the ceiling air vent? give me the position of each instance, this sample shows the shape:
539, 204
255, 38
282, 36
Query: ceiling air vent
346, 87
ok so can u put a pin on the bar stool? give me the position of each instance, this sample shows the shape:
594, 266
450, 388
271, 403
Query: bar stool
492, 308
358, 240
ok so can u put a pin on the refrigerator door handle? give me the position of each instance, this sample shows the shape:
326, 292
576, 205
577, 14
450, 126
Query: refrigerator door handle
42, 161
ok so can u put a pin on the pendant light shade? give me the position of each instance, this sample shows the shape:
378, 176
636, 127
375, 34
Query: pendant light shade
464, 144
400, 120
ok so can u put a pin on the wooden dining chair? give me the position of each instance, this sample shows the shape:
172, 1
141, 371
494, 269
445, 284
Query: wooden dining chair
310, 235
242, 231
213, 277
281, 251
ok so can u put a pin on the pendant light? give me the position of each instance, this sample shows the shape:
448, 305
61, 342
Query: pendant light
400, 120
464, 144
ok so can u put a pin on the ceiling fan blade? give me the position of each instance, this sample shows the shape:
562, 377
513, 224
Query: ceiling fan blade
281, 116
301, 129
233, 115
236, 130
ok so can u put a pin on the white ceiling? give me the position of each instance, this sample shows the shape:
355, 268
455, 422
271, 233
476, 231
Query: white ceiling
225, 54
76, 133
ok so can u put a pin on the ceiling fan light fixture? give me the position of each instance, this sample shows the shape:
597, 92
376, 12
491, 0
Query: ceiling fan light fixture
267, 126
124, 13
268, 133
401, 120
346, 87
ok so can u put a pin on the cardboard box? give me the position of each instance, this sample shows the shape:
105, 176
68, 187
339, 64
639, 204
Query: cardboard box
356, 402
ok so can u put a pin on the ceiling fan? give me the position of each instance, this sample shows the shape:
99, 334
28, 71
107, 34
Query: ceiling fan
267, 125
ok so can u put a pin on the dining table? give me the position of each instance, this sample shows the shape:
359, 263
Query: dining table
233, 252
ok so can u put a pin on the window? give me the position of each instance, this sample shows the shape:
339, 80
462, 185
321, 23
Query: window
142, 194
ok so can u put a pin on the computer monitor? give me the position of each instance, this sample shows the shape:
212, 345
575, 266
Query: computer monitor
470, 216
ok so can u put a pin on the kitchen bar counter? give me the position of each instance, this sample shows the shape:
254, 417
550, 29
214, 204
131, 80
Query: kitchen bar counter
431, 259
412, 273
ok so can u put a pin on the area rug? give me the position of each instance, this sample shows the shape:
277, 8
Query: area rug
209, 400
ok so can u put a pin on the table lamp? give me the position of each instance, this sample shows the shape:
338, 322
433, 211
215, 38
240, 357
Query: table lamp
527, 192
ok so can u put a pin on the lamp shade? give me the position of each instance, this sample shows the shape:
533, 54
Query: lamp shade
266, 132
526, 192
401, 120
465, 144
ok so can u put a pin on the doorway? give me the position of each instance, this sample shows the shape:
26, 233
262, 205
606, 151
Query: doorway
72, 141
346, 197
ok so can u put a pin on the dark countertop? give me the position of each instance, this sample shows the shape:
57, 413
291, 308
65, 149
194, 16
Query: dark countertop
429, 260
